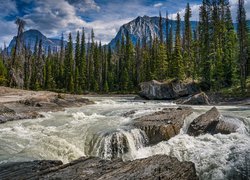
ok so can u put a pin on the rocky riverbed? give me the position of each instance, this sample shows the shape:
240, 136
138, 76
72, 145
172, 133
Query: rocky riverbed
119, 138
17, 104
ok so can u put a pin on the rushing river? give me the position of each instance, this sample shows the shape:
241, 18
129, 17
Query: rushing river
93, 130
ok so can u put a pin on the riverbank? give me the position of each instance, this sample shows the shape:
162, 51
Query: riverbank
17, 104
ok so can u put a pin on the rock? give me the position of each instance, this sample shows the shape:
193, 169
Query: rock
25, 170
129, 113
155, 167
210, 122
18, 104
7, 114
225, 128
198, 99
154, 90
163, 125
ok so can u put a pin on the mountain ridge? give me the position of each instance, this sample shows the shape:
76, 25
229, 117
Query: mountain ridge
137, 29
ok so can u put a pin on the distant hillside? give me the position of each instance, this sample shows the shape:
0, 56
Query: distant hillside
31, 36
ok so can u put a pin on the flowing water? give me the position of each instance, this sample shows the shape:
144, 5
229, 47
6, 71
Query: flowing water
103, 129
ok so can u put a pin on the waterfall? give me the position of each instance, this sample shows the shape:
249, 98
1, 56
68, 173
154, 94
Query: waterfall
110, 145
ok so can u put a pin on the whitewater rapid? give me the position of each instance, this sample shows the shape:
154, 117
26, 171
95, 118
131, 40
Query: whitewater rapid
103, 130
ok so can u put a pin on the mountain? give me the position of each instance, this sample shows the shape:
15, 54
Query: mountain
149, 27
145, 26
31, 36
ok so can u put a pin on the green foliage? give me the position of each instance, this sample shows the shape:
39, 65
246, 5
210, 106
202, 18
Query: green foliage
3, 73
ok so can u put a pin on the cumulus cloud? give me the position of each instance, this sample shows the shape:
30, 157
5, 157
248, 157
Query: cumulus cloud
84, 5
50, 17
157, 5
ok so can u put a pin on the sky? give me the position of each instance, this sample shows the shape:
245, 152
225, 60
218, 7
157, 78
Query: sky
54, 17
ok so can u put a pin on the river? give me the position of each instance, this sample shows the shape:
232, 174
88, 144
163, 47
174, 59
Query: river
91, 131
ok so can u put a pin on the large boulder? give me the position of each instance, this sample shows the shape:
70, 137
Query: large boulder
198, 99
154, 167
155, 90
163, 125
211, 122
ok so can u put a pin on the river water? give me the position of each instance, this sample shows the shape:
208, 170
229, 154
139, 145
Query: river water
103, 130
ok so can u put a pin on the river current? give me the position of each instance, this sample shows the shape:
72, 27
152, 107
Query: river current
93, 130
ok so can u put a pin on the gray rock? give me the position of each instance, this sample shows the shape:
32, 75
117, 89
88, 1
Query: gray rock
210, 122
155, 90
198, 99
155, 167
25, 170
163, 125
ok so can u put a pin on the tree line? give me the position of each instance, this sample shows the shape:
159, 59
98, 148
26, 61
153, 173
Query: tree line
215, 54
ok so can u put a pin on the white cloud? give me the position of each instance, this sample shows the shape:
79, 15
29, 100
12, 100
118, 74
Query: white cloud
195, 8
157, 5
84, 5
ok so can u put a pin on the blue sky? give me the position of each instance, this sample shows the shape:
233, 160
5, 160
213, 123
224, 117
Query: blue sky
52, 17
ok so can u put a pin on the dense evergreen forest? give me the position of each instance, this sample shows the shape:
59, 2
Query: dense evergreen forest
215, 55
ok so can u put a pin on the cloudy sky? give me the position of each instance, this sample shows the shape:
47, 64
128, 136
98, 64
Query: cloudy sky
53, 17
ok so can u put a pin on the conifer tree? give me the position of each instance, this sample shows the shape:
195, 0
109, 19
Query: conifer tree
82, 64
77, 68
177, 62
204, 39
243, 46
69, 63
187, 43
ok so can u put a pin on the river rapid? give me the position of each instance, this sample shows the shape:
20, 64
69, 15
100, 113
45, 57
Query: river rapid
94, 129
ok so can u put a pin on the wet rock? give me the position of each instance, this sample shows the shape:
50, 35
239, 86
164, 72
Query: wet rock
21, 104
225, 127
198, 99
25, 170
129, 113
154, 90
8, 114
163, 125
155, 167
210, 122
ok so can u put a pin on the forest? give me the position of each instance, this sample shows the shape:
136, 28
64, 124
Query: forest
215, 54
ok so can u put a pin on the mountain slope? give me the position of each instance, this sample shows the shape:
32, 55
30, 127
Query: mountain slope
145, 26
31, 36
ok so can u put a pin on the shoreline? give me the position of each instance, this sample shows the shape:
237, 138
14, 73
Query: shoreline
18, 104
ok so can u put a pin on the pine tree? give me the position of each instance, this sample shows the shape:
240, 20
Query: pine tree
187, 43
82, 64
178, 71
77, 68
3, 73
243, 48
204, 39
68, 68
160, 28
229, 49
110, 70
170, 67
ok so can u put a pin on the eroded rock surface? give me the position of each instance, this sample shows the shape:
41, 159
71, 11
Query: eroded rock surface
198, 99
155, 167
163, 125
211, 122
154, 90
21, 104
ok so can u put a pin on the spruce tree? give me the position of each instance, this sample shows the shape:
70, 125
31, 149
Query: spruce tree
69, 64
82, 64
204, 39
187, 42
77, 68
178, 70
243, 46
